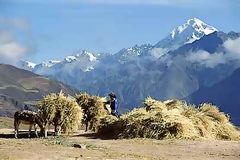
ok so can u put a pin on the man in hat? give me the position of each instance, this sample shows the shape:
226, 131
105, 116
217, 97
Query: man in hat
113, 104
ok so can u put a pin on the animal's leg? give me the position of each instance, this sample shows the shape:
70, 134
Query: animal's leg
57, 130
91, 125
16, 127
86, 123
35, 129
45, 133
46, 130
29, 133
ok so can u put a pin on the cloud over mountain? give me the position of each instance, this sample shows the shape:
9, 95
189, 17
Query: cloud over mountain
233, 46
231, 51
12, 48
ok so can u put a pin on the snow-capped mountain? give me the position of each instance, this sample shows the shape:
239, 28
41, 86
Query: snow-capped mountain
194, 56
82, 60
84, 56
48, 64
26, 65
43, 67
192, 30
133, 52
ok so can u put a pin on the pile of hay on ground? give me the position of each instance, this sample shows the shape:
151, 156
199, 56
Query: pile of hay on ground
61, 110
95, 106
170, 119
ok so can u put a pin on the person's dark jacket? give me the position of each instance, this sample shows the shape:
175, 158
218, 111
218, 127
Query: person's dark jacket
113, 104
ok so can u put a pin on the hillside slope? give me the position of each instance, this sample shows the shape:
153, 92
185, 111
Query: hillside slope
19, 87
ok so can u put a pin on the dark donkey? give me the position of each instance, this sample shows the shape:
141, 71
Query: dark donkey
28, 117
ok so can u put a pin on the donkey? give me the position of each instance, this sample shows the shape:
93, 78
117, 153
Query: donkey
56, 122
28, 117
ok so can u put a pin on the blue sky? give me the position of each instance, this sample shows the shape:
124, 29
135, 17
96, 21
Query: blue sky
41, 30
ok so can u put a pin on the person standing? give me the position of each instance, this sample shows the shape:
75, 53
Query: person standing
113, 104
86, 119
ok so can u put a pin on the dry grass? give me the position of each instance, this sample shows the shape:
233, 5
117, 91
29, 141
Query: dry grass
62, 110
171, 119
95, 106
6, 122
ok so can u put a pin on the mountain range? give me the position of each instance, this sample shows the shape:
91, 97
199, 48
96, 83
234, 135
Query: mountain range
193, 59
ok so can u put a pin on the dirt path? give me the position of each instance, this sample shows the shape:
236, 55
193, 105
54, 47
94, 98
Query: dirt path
62, 148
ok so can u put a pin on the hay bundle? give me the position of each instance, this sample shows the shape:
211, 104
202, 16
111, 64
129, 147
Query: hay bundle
172, 119
61, 110
151, 104
109, 126
93, 105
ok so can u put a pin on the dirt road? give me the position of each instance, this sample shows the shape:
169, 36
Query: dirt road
94, 148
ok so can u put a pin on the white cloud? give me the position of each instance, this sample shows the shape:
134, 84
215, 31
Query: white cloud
5, 37
11, 30
207, 59
233, 46
10, 50
232, 53
158, 52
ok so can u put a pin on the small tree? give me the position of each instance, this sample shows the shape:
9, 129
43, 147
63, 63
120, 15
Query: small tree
60, 110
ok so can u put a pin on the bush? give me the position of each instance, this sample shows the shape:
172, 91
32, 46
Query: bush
61, 110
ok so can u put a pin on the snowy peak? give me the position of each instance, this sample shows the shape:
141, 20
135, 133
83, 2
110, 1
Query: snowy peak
192, 30
80, 60
70, 59
193, 25
87, 55
133, 52
82, 55
26, 65
49, 63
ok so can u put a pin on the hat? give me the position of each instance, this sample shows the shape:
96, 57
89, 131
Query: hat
112, 95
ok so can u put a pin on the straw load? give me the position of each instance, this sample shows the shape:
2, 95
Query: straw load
170, 119
93, 105
61, 110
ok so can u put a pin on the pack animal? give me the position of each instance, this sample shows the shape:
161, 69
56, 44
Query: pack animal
30, 118
56, 122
